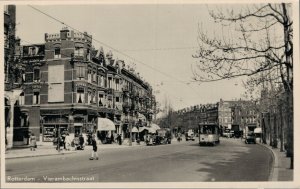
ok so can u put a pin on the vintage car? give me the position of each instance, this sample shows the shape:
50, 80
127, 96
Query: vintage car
163, 136
250, 138
190, 135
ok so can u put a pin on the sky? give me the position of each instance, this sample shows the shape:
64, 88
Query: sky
160, 38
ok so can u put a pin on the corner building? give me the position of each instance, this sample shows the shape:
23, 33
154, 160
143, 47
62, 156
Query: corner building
73, 84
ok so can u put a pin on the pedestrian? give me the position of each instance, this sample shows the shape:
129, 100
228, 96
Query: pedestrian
94, 151
68, 141
81, 142
63, 137
119, 139
32, 142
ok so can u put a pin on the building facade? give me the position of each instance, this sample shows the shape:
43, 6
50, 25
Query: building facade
68, 84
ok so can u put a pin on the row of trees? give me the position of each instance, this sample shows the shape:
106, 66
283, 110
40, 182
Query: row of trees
258, 47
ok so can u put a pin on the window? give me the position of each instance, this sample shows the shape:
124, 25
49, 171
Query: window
28, 77
88, 55
101, 100
32, 51
80, 95
36, 75
94, 77
102, 84
89, 76
117, 99
57, 53
22, 99
89, 97
36, 98
117, 84
78, 51
109, 82
80, 72
110, 102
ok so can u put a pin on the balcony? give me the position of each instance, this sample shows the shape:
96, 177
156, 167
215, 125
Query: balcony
110, 91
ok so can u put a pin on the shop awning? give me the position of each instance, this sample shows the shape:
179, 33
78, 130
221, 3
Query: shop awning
134, 130
105, 124
142, 117
142, 128
257, 130
78, 124
151, 130
154, 126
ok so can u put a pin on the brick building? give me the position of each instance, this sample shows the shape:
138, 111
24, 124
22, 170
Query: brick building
68, 85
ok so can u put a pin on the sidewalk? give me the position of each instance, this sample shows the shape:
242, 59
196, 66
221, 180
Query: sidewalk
48, 149
41, 150
281, 166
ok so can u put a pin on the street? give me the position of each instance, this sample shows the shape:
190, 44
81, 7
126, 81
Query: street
232, 160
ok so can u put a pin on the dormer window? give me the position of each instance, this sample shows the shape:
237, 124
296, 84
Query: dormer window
32, 51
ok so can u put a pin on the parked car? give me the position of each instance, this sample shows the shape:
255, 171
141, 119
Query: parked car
250, 138
163, 136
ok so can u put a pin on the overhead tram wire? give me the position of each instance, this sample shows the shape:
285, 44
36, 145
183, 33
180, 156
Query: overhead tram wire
124, 54
67, 56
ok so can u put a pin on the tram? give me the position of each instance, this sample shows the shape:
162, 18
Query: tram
209, 133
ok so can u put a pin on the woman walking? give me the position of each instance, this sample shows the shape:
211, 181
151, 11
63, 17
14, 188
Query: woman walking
94, 151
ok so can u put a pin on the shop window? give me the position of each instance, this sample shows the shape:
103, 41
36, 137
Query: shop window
80, 95
36, 98
57, 53
80, 72
36, 75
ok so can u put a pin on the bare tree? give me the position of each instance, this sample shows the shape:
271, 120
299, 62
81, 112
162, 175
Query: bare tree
252, 48
258, 46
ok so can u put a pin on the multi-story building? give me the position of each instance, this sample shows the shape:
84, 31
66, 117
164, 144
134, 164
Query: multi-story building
13, 78
68, 85
225, 120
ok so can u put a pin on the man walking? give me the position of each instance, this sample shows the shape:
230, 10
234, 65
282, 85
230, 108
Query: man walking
94, 151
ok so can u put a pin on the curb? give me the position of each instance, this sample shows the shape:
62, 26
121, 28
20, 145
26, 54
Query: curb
19, 157
274, 170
